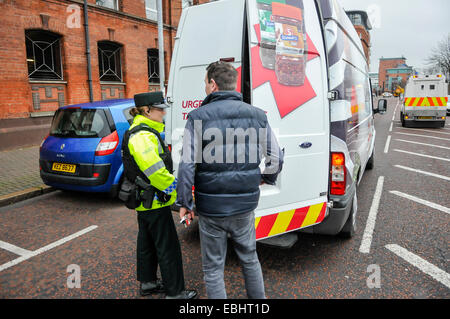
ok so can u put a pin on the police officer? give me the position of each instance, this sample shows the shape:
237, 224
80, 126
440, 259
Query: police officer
150, 159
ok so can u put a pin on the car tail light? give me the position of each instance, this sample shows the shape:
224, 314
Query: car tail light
42, 143
107, 144
338, 174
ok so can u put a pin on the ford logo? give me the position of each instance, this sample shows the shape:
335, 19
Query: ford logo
306, 145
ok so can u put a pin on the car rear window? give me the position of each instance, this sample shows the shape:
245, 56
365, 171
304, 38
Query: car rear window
79, 122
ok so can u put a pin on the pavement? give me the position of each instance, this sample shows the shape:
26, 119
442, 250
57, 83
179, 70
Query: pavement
19, 158
19, 175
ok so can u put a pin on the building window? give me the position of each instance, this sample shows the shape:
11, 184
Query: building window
109, 61
43, 55
153, 65
150, 10
112, 4
356, 19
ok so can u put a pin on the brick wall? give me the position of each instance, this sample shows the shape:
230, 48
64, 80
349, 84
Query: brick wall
387, 64
364, 35
130, 28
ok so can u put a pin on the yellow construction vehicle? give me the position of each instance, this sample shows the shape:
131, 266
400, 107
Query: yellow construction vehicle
398, 91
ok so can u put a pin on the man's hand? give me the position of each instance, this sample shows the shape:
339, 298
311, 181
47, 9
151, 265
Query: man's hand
184, 211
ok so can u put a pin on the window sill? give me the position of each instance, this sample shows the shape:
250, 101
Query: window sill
47, 82
112, 83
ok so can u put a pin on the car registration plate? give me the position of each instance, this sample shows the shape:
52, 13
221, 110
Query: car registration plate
425, 117
61, 167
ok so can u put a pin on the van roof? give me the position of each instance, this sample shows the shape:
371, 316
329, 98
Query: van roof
117, 103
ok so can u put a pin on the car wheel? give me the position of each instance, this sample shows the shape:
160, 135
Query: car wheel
349, 229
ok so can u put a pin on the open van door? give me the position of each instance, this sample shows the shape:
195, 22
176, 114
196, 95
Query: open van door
206, 33
289, 82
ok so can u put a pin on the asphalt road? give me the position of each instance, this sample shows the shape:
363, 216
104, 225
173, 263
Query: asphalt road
401, 249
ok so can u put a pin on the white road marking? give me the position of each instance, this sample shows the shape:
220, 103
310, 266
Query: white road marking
390, 128
386, 146
423, 172
420, 263
370, 224
432, 145
422, 201
14, 249
438, 138
46, 248
423, 155
421, 130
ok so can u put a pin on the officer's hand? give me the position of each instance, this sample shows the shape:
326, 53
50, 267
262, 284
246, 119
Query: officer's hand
184, 211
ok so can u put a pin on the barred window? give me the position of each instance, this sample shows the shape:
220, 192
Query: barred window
109, 61
112, 4
43, 55
153, 65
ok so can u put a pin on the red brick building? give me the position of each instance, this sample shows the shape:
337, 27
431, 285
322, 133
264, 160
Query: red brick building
393, 72
43, 51
362, 26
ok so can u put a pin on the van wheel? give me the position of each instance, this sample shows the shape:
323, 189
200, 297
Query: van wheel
370, 162
349, 229
402, 119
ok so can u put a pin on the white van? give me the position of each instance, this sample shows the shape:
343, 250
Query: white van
303, 64
425, 101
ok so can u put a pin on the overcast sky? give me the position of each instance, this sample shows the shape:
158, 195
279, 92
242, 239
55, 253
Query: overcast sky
405, 27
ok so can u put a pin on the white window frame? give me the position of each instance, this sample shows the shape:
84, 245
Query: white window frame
116, 5
151, 7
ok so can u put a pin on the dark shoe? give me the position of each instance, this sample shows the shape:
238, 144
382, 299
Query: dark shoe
185, 294
159, 288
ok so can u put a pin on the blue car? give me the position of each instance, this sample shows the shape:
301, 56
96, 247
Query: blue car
83, 149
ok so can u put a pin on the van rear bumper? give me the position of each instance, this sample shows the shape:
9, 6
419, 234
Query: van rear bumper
337, 215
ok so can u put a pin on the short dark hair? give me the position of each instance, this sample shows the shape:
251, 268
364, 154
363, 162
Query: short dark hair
224, 74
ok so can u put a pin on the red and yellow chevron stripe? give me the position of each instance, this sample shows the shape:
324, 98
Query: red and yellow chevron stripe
426, 101
279, 223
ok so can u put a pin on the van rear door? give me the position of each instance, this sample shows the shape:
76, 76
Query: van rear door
205, 34
289, 82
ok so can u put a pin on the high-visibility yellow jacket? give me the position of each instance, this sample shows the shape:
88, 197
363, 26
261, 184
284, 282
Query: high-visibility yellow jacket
145, 148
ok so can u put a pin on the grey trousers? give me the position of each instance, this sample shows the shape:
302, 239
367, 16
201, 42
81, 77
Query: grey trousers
213, 241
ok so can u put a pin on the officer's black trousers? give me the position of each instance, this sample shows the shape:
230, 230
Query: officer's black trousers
157, 243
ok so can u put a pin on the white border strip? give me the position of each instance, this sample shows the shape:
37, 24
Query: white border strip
370, 225
421, 264
431, 145
423, 155
423, 172
46, 248
419, 135
420, 130
14, 249
386, 146
422, 201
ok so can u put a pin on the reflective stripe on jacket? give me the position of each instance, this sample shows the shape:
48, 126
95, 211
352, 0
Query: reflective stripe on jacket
145, 148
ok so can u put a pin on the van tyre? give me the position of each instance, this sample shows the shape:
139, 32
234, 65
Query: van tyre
402, 119
349, 229
370, 162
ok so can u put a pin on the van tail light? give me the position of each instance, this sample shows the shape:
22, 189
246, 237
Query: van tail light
108, 144
42, 143
170, 147
338, 174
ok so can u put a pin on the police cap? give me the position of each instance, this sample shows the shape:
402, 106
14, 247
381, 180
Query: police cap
154, 99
